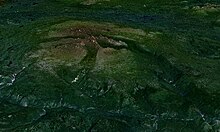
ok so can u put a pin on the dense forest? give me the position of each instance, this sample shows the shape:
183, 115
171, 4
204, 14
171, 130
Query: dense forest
110, 65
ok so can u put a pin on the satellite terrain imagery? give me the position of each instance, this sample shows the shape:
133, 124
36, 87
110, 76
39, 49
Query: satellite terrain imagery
109, 65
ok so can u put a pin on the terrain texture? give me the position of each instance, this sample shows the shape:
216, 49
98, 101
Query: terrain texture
110, 65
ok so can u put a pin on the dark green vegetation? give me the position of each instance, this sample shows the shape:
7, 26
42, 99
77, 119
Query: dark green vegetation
110, 65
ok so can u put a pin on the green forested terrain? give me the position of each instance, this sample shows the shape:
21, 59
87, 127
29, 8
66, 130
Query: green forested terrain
110, 65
